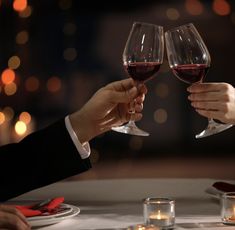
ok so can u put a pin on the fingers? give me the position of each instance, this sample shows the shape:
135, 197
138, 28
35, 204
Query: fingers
121, 85
208, 87
211, 106
211, 114
209, 96
11, 218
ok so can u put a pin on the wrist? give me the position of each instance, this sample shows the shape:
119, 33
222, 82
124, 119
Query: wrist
81, 127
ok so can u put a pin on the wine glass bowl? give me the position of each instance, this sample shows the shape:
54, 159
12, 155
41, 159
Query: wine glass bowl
142, 57
189, 60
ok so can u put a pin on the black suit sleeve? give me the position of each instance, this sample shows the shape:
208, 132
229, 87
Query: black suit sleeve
41, 158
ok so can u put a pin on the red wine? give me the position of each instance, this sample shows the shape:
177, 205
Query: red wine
142, 71
190, 73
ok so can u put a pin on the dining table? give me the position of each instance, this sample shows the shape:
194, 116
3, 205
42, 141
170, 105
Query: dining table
118, 203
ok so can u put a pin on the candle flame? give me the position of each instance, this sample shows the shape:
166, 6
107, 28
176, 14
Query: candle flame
159, 216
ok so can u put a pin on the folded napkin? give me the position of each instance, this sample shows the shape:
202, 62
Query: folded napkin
40, 208
224, 186
220, 187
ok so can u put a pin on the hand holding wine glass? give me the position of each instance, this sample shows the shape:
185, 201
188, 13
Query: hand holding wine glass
142, 57
190, 60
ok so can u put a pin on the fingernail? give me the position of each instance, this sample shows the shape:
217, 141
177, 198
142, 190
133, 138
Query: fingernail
192, 104
189, 89
189, 97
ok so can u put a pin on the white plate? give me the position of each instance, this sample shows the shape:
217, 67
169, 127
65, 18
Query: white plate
62, 210
53, 219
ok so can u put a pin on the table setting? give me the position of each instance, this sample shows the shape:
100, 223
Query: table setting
140, 204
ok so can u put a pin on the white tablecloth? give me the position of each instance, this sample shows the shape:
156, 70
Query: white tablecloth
117, 204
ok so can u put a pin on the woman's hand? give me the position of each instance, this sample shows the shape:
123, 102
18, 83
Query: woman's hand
214, 100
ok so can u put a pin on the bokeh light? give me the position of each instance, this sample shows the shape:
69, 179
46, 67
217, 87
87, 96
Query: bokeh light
162, 90
160, 116
54, 84
2, 118
172, 14
32, 84
26, 12
22, 37
8, 76
70, 54
9, 113
19, 5
14, 62
194, 7
221, 7
25, 117
10, 89
65, 4
20, 128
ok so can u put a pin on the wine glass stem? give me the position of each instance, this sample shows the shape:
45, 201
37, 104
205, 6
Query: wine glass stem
132, 104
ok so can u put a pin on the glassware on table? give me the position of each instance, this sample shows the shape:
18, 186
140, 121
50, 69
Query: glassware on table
142, 57
190, 60
228, 208
159, 212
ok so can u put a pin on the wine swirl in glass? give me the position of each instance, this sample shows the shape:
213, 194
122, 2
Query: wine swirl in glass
142, 57
189, 60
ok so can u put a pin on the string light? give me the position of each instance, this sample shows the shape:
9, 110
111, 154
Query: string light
19, 5
65, 4
25, 117
2, 118
221, 7
8, 76
70, 54
9, 113
10, 89
26, 12
172, 14
22, 37
194, 7
162, 90
54, 84
160, 116
14, 62
32, 84
20, 128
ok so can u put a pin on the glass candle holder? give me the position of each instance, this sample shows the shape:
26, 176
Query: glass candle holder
159, 212
143, 227
228, 208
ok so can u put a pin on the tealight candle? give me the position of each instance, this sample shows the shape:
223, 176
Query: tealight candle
228, 208
159, 212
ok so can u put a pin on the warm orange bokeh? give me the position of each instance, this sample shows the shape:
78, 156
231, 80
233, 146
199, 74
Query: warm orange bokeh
25, 117
19, 5
8, 76
54, 84
221, 7
32, 84
194, 7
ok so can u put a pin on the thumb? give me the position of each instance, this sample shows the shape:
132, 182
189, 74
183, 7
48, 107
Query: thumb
124, 96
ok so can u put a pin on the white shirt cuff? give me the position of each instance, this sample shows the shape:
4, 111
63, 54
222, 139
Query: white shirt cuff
84, 150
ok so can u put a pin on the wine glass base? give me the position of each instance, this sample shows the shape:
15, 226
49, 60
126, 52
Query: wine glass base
213, 129
130, 129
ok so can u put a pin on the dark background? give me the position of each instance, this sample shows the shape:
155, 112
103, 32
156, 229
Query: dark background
95, 34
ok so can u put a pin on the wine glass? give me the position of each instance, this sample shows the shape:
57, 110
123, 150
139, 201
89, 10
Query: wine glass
142, 57
189, 60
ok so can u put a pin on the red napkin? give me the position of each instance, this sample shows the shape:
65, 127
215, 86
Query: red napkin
28, 211
224, 186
